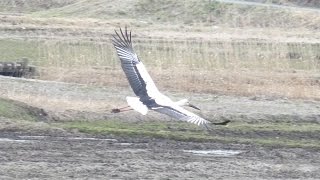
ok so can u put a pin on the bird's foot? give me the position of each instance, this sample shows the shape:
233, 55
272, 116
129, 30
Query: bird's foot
116, 110
208, 127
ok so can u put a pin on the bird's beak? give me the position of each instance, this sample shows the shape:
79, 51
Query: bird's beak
193, 106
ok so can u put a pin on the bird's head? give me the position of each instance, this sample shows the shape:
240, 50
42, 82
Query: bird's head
186, 102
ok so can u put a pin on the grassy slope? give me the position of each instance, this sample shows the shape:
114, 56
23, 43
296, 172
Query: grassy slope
302, 3
19, 117
14, 110
21, 6
191, 12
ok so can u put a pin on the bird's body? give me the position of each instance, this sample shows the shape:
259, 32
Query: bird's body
148, 95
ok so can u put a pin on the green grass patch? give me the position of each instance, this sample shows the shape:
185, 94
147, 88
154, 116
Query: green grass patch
192, 13
281, 142
61, 54
168, 130
188, 132
164, 54
11, 50
283, 127
15, 110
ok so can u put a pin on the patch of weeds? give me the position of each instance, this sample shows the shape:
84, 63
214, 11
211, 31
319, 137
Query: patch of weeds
283, 127
20, 111
12, 50
187, 132
169, 130
281, 142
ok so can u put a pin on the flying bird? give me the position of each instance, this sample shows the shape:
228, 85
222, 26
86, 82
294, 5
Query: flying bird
148, 95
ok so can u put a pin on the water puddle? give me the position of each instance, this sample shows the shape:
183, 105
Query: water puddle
219, 153
129, 150
33, 137
14, 140
125, 144
64, 138
90, 139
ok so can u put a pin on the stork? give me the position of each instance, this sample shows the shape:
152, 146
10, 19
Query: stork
148, 95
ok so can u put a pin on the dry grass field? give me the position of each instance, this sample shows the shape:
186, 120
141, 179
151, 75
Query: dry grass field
225, 48
255, 63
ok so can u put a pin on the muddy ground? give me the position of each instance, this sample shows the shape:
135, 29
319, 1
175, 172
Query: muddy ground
59, 154
55, 156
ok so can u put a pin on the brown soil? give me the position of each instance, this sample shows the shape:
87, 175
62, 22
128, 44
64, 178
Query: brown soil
55, 156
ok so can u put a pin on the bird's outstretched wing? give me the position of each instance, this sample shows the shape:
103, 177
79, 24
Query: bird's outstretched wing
182, 114
137, 75
142, 84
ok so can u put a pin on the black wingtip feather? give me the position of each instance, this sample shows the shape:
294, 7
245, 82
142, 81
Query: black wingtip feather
119, 39
126, 32
122, 38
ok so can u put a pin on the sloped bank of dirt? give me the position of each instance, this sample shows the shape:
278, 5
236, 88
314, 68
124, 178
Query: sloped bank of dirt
79, 101
20, 110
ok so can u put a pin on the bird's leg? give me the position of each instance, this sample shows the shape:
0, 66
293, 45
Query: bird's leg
206, 126
125, 107
118, 110
194, 107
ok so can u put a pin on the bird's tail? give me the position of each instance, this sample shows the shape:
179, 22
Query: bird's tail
137, 105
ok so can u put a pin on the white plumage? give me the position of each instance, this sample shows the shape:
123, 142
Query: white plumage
137, 105
148, 95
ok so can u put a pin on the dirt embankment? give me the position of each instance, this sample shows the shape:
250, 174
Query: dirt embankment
96, 101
